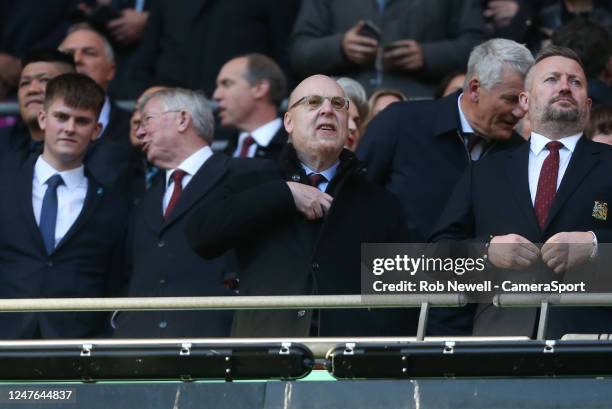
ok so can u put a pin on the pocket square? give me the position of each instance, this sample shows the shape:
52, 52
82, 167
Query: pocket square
600, 210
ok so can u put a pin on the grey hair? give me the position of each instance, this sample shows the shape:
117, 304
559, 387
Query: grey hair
108, 48
488, 60
181, 99
355, 92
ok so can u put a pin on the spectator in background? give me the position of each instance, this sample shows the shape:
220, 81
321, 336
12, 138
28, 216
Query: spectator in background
61, 229
93, 56
600, 124
26, 25
186, 44
559, 13
358, 110
176, 130
381, 99
123, 22
593, 44
513, 19
450, 84
409, 45
26, 136
249, 91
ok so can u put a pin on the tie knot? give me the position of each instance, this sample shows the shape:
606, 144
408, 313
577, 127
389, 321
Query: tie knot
315, 179
177, 176
248, 141
54, 181
554, 146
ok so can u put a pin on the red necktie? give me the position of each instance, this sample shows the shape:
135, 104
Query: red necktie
246, 144
315, 179
177, 177
547, 183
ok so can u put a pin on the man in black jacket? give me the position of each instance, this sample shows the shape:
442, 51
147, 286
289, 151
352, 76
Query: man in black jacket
300, 233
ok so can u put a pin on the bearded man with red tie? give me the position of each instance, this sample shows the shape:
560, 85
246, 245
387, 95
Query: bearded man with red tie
554, 190
299, 231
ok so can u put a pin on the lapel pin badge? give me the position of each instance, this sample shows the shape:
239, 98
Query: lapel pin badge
600, 210
99, 191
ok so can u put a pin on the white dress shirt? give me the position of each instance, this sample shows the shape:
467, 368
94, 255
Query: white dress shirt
262, 135
191, 165
70, 195
329, 174
466, 128
104, 117
538, 153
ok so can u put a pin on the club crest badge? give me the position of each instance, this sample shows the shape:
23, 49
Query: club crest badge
600, 210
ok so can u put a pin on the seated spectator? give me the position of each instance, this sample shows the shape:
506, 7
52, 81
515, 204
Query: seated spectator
358, 110
403, 44
600, 124
61, 233
453, 82
593, 44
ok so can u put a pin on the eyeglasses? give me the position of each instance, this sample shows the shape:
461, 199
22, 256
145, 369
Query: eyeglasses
144, 122
315, 101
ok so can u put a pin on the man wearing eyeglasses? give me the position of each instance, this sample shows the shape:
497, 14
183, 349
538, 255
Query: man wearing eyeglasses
298, 230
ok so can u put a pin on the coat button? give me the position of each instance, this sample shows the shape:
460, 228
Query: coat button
162, 281
161, 243
163, 324
315, 266
50, 263
301, 313
296, 178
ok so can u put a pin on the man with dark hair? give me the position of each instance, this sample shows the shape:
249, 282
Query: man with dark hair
300, 232
554, 189
593, 44
61, 229
39, 66
249, 91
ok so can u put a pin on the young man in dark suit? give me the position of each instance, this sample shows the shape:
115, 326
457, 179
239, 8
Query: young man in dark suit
297, 227
60, 228
554, 190
176, 131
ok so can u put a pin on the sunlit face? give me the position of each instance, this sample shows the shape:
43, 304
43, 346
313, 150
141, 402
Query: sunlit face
498, 108
158, 133
68, 132
234, 94
90, 58
32, 86
354, 127
320, 131
136, 117
557, 94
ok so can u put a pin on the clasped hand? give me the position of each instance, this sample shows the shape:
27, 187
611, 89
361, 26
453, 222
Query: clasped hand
561, 252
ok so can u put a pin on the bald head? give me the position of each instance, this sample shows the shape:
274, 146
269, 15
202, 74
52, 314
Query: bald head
318, 81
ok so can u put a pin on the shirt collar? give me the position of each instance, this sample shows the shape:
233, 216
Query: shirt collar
104, 117
465, 125
72, 178
329, 173
193, 163
264, 134
539, 141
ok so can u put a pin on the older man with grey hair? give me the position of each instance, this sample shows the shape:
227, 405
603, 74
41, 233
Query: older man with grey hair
176, 131
418, 150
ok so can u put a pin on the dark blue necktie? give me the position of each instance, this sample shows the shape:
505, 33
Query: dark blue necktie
48, 212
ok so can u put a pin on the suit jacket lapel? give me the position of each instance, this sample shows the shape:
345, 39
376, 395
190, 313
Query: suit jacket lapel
201, 183
517, 172
152, 204
23, 190
583, 160
94, 194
